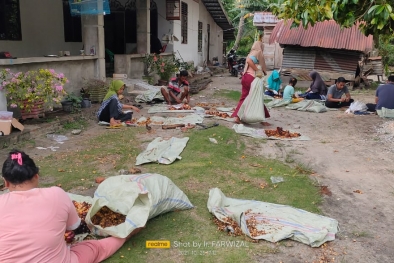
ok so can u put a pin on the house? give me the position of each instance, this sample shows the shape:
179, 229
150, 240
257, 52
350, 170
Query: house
325, 47
103, 36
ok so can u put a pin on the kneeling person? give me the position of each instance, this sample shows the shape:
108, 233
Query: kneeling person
335, 92
177, 90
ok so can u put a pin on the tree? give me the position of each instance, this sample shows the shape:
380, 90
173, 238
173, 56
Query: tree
241, 10
376, 16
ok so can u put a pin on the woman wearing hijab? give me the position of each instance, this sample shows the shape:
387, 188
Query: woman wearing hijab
317, 90
255, 57
111, 108
274, 82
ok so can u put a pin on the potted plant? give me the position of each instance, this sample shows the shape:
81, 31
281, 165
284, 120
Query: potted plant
31, 90
165, 67
71, 102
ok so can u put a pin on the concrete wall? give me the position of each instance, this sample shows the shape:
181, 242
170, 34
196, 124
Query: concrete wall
42, 30
132, 64
74, 68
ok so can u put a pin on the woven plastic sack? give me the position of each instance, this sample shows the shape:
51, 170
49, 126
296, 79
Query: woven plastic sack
139, 197
252, 109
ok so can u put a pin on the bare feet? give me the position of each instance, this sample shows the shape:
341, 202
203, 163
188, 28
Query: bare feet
264, 123
114, 122
237, 120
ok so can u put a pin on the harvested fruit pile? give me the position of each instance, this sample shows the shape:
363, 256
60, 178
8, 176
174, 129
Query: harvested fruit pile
217, 113
280, 133
251, 223
209, 105
230, 226
105, 217
183, 107
143, 122
82, 211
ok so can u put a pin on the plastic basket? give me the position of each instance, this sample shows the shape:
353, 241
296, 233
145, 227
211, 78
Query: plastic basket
89, 7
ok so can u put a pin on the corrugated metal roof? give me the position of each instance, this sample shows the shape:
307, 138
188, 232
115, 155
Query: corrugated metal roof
327, 34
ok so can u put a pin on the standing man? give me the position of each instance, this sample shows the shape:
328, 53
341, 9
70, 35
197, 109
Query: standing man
177, 90
335, 92
384, 96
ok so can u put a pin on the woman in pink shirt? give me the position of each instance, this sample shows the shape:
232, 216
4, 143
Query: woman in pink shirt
34, 220
255, 57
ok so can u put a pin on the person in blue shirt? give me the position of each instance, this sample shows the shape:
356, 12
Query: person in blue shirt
288, 92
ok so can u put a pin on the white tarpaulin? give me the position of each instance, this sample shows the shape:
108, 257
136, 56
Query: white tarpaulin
139, 197
149, 96
307, 105
276, 221
260, 133
162, 151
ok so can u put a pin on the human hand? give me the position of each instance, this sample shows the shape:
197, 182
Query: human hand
347, 99
343, 99
135, 108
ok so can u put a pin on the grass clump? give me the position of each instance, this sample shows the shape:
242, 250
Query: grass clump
204, 165
230, 94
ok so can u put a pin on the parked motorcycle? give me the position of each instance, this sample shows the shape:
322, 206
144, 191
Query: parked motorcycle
231, 60
238, 67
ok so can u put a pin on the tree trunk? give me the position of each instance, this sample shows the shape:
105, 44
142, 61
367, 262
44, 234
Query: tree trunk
240, 32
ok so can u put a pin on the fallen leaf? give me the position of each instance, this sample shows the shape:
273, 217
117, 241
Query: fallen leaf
61, 170
99, 179
134, 170
325, 191
347, 171
357, 191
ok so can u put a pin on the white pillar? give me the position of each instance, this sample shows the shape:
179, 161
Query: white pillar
143, 26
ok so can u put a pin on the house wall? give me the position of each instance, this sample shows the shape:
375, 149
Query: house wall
189, 52
216, 37
42, 31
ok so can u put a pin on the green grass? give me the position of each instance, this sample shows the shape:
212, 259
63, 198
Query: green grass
76, 123
230, 94
204, 165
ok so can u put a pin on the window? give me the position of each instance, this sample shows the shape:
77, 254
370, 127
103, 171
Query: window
72, 25
10, 21
199, 36
184, 23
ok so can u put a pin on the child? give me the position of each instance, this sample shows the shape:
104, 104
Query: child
288, 92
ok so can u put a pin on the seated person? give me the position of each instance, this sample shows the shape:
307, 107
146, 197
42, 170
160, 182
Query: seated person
335, 92
384, 96
111, 108
177, 90
317, 90
288, 92
155, 45
29, 212
274, 82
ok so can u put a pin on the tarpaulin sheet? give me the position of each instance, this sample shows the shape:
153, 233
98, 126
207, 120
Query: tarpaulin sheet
277, 222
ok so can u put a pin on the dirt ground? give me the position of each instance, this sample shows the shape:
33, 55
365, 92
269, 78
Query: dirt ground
350, 155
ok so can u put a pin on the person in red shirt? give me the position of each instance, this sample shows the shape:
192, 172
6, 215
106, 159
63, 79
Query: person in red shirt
177, 89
